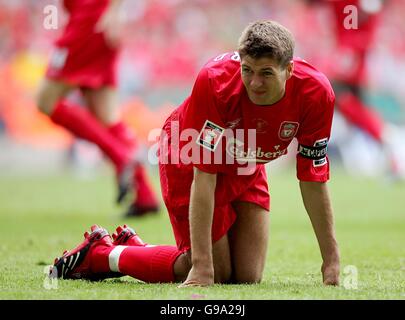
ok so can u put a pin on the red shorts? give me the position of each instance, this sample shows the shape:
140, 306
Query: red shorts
175, 182
89, 63
224, 215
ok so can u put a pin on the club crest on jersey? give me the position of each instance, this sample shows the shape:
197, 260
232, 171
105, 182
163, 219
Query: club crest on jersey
261, 125
210, 135
288, 130
232, 124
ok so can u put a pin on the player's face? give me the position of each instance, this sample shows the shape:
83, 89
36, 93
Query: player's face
264, 79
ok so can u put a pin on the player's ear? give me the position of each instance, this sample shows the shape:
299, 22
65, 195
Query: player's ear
289, 69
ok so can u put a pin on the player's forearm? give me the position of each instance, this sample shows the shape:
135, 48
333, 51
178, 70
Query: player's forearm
114, 8
114, 4
110, 23
201, 215
318, 205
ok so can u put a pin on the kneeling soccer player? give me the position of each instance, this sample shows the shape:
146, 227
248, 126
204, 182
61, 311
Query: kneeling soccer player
245, 109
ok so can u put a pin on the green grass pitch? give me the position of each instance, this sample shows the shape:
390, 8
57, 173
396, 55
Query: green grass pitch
40, 216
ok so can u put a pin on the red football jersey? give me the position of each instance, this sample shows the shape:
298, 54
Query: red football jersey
83, 16
210, 131
81, 56
358, 37
220, 110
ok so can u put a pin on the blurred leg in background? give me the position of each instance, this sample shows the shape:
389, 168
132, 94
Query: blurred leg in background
85, 58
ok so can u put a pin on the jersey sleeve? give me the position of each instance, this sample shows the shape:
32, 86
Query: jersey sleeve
205, 127
313, 137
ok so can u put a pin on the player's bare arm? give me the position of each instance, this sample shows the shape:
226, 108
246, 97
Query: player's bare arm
201, 214
110, 23
318, 205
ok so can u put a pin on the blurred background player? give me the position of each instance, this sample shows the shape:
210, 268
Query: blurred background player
354, 26
84, 58
166, 42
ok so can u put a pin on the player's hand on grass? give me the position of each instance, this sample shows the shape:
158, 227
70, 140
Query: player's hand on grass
199, 277
330, 273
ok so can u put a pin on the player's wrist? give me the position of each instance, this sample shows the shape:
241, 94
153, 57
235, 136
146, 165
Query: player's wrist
332, 258
203, 261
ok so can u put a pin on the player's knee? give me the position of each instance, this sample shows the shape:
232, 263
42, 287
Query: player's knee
49, 94
222, 268
44, 101
182, 266
223, 273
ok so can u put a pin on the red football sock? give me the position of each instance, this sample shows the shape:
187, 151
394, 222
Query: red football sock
84, 125
99, 259
145, 197
123, 133
150, 264
362, 116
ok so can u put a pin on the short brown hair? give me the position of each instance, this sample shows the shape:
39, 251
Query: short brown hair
267, 38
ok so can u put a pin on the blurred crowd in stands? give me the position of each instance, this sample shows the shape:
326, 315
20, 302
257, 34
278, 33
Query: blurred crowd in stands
165, 43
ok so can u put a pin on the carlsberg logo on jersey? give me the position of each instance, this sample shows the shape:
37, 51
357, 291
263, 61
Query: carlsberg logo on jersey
213, 144
235, 148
